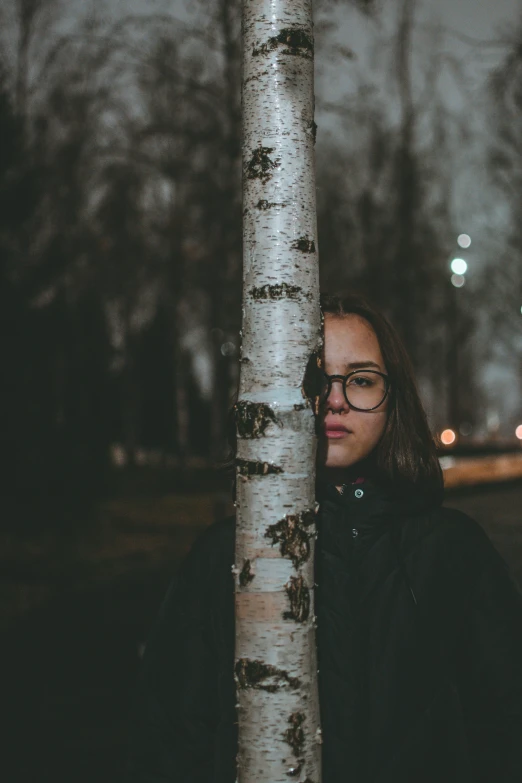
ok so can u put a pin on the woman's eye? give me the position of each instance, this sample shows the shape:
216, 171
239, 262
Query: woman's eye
359, 380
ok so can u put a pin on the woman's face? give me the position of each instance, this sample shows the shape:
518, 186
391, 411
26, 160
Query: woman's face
349, 435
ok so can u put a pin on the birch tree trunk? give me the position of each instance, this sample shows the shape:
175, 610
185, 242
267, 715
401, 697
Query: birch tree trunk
275, 664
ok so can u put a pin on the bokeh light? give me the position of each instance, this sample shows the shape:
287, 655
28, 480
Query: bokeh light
448, 437
464, 240
459, 266
518, 432
465, 428
458, 280
228, 349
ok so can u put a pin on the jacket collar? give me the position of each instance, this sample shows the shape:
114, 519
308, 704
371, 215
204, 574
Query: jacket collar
371, 499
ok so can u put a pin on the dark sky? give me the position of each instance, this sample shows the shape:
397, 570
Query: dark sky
477, 17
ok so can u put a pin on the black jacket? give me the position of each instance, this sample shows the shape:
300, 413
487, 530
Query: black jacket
419, 644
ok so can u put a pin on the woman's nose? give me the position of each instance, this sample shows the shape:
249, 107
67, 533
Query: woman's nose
336, 400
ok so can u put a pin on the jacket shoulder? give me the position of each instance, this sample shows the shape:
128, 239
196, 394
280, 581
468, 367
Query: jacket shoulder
203, 575
459, 529
220, 534
212, 549
445, 524
452, 540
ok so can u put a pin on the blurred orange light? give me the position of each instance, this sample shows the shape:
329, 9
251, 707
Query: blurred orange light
448, 437
518, 432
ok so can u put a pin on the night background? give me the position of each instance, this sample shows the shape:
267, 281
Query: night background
120, 304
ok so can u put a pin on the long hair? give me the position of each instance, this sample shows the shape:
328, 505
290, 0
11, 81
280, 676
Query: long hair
405, 456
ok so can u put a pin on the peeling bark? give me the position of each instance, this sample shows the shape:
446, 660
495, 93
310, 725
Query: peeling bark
261, 164
252, 419
264, 204
295, 771
294, 736
250, 467
246, 575
256, 674
293, 534
299, 597
293, 41
280, 291
312, 130
305, 245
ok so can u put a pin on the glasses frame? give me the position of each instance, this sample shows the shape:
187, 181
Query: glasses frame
344, 378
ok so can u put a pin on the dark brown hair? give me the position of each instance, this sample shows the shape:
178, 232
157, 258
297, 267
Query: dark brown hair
406, 456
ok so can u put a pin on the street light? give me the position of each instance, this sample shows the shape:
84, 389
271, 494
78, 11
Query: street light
448, 437
464, 240
459, 266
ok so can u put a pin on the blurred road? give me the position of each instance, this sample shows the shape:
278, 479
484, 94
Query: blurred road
71, 664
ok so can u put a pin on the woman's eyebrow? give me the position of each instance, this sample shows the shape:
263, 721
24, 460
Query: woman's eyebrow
361, 364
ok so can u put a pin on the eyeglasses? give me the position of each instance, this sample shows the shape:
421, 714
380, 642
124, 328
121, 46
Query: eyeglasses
364, 390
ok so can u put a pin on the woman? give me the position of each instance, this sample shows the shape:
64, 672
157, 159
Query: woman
419, 624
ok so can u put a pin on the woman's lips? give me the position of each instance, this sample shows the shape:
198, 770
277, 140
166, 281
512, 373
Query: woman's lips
338, 432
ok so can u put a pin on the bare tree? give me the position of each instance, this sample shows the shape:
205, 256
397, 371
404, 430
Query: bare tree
502, 279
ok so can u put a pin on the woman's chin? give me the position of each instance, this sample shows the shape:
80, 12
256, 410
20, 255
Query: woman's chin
340, 461
334, 465
338, 456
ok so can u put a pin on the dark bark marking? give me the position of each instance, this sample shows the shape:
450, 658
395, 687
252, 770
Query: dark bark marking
299, 597
294, 736
246, 575
261, 164
295, 771
263, 204
311, 128
255, 77
293, 537
253, 418
304, 244
297, 43
247, 467
263, 676
278, 291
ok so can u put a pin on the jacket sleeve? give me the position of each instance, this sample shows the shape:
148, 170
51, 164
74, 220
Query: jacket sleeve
491, 675
177, 705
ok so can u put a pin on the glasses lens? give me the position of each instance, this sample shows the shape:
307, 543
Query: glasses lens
365, 389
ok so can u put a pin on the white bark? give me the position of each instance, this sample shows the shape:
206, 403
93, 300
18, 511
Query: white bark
279, 734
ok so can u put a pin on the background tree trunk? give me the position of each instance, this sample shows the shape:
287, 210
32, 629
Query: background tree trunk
275, 667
